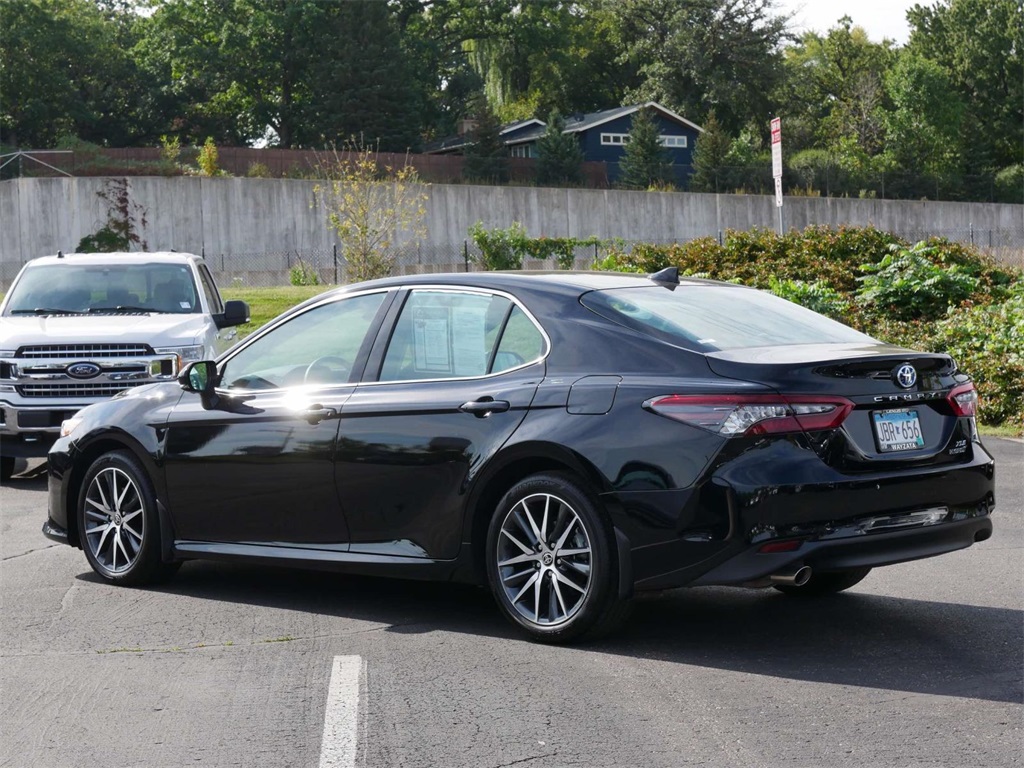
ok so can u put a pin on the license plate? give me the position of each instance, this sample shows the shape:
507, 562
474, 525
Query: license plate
897, 430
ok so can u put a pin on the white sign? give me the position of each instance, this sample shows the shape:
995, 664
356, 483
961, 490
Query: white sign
778, 192
777, 147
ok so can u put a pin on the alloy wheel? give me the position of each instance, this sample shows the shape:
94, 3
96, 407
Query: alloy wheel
544, 559
115, 523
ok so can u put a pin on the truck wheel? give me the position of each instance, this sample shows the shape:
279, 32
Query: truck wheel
6, 467
118, 521
550, 560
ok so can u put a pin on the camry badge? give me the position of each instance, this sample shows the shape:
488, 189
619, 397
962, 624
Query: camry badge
83, 370
905, 376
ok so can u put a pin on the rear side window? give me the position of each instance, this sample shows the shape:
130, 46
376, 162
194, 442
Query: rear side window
450, 334
707, 318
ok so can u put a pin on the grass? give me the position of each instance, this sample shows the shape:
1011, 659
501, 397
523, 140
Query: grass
267, 303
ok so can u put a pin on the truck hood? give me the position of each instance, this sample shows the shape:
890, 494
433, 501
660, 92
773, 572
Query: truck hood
157, 330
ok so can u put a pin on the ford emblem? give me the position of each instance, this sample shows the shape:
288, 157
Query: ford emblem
905, 376
83, 370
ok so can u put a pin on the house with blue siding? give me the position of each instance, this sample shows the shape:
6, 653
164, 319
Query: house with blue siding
602, 136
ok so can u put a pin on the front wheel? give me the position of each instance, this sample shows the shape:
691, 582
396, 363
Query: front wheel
118, 523
550, 560
7, 467
825, 583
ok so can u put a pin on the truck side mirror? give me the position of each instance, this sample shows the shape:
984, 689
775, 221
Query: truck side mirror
235, 313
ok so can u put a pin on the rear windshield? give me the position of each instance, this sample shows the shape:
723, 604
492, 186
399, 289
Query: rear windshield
708, 318
70, 288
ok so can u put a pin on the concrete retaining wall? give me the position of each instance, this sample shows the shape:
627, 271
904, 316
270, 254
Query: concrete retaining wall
252, 216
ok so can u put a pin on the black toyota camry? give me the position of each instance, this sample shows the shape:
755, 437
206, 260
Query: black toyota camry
568, 439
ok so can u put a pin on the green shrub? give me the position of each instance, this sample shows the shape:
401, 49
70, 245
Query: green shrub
208, 161
499, 248
303, 274
987, 342
816, 296
258, 170
907, 284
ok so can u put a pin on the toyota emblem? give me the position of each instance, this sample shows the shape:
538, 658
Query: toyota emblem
905, 376
83, 370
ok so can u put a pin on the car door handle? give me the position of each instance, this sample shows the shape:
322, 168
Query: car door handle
485, 406
317, 413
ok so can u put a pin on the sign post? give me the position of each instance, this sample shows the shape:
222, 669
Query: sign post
777, 165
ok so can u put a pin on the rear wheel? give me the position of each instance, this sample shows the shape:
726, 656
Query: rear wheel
6, 467
118, 523
825, 583
550, 560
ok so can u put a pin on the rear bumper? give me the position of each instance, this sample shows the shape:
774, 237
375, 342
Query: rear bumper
866, 551
778, 492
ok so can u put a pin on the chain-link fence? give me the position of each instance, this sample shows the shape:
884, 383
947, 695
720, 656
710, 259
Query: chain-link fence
329, 266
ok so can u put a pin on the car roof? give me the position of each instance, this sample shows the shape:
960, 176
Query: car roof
135, 257
579, 281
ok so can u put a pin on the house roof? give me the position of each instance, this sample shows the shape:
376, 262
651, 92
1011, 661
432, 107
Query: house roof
573, 124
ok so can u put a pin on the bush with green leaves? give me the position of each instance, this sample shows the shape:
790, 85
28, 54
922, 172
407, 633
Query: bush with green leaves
987, 341
499, 248
907, 284
303, 274
817, 296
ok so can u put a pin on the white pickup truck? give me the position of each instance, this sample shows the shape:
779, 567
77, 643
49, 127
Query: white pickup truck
78, 329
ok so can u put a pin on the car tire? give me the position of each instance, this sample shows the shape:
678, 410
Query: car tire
118, 523
551, 562
825, 583
7, 467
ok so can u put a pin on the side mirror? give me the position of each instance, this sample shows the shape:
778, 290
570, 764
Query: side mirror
199, 377
235, 313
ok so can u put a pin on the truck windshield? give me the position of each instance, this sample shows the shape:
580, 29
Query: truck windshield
74, 289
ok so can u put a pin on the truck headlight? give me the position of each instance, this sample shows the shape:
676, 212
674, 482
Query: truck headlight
185, 354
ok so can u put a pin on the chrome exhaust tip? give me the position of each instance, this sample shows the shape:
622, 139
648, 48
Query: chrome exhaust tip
795, 576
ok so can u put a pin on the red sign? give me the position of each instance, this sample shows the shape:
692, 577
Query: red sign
776, 130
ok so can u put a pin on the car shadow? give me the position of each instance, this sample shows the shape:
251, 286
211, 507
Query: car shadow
856, 639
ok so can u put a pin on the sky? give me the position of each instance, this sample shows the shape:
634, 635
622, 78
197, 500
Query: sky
881, 18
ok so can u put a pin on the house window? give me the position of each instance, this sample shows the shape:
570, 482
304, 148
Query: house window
618, 139
673, 141
520, 150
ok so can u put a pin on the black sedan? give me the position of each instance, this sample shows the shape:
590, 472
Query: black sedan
568, 439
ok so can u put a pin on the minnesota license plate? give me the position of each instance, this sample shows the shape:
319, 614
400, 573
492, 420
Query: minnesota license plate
897, 430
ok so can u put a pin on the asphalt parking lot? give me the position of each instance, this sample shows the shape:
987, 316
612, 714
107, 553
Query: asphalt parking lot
226, 665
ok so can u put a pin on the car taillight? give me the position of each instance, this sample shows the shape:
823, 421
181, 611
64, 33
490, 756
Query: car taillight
964, 400
734, 415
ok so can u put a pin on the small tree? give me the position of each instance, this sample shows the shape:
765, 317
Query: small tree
369, 205
709, 155
486, 156
559, 157
208, 159
646, 163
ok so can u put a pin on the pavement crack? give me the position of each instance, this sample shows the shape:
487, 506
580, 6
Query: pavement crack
527, 759
22, 554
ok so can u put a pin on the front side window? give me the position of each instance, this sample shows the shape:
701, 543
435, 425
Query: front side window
317, 347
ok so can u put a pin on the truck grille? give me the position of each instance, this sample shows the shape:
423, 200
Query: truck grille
77, 390
83, 351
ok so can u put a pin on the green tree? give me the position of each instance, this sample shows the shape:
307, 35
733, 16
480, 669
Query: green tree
923, 127
696, 55
559, 157
486, 156
66, 68
980, 45
709, 155
645, 163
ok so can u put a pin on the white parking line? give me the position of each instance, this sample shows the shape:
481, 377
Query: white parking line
341, 716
